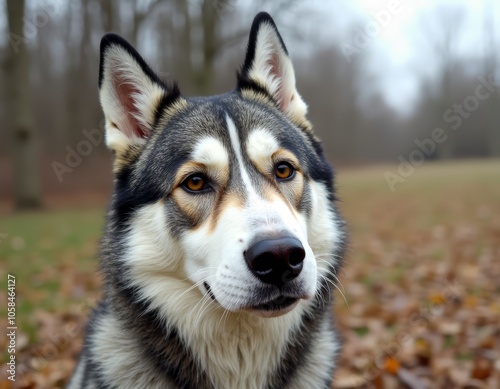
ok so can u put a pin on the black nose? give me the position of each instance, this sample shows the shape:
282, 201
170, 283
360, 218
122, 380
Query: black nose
276, 261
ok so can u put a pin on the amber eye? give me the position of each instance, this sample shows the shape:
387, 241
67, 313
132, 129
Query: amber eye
284, 170
195, 183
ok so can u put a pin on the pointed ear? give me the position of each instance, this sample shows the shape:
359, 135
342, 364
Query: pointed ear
267, 66
132, 95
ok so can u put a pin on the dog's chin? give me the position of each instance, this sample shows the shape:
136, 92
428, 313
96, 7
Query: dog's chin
273, 309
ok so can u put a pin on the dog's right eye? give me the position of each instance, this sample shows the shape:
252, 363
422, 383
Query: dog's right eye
284, 171
195, 183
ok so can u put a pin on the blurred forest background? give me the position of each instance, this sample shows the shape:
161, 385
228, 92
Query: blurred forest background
379, 76
389, 84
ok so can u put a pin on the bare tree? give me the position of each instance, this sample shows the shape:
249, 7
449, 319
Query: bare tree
441, 30
491, 64
110, 15
27, 189
209, 18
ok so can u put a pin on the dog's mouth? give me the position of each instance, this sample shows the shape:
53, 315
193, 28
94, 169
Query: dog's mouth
275, 307
277, 304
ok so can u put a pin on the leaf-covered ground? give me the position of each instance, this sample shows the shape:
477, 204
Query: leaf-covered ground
422, 279
421, 282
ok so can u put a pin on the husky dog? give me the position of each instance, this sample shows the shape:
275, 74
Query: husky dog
223, 239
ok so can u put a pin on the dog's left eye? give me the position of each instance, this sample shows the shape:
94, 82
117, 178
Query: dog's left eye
195, 183
284, 170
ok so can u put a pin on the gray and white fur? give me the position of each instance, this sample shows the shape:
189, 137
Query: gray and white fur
223, 240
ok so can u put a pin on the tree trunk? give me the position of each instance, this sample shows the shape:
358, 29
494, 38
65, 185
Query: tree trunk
187, 47
27, 187
446, 150
111, 16
490, 67
72, 54
210, 41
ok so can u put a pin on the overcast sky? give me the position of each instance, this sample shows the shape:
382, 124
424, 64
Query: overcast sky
401, 52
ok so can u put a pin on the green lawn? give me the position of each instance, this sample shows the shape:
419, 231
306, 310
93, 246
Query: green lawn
53, 257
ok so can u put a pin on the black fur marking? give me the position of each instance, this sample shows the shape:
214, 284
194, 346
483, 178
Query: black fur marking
128, 199
130, 196
244, 82
168, 99
92, 372
172, 92
305, 204
259, 20
114, 39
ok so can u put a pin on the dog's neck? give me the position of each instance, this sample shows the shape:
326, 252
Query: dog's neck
238, 349
234, 349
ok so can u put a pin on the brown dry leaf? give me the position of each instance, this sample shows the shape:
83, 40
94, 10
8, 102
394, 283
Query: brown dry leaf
5, 384
22, 341
483, 368
437, 298
410, 379
441, 366
449, 327
459, 374
345, 379
391, 365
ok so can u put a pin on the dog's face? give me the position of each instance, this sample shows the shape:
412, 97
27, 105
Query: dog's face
232, 191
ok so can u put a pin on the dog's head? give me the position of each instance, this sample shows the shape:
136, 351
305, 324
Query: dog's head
228, 194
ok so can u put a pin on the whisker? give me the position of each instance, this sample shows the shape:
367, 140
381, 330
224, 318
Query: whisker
333, 284
195, 285
335, 277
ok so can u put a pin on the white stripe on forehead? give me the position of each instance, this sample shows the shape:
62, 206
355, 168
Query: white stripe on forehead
271, 216
235, 143
210, 152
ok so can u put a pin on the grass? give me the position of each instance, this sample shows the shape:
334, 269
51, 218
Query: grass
442, 223
53, 256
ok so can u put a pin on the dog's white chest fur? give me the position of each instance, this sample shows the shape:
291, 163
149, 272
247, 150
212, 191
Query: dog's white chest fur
235, 352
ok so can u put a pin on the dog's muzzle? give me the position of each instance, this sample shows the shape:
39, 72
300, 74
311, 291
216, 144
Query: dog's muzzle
276, 261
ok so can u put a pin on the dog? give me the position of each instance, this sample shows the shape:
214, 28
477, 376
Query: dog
223, 238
